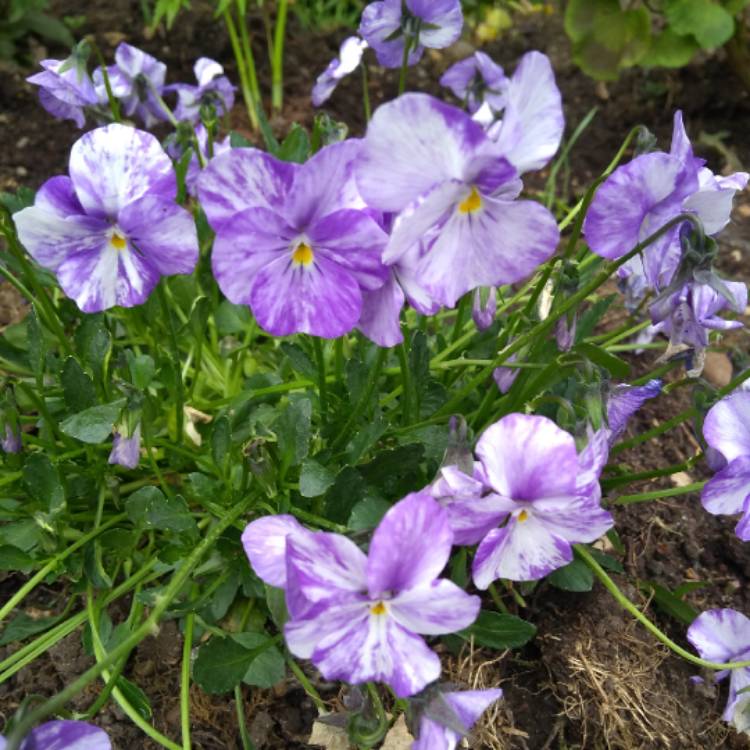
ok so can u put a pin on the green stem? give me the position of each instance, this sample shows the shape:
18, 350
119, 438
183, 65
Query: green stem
366, 92
403, 360
187, 650
499, 603
623, 601
145, 629
247, 92
239, 703
404, 66
247, 51
114, 105
644, 497
179, 386
322, 385
667, 471
277, 69
307, 685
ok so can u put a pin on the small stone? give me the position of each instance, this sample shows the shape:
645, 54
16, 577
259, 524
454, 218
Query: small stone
718, 369
22, 142
22, 171
681, 479
329, 737
398, 738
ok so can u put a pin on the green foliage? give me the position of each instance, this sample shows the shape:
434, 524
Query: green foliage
21, 18
609, 37
327, 15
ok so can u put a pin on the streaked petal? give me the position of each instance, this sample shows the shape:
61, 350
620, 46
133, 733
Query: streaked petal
624, 401
115, 165
410, 546
380, 319
437, 608
720, 635
727, 425
264, 542
443, 21
576, 520
66, 735
727, 492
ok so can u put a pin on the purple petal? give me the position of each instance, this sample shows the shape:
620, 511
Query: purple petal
484, 315
163, 232
521, 551
61, 109
410, 546
322, 298
380, 319
240, 179
624, 401
115, 165
66, 735
348, 60
591, 461
727, 426
379, 21
443, 21
11, 442
437, 608
577, 520
528, 457
413, 143
533, 122
720, 635
475, 80
126, 451
264, 542
727, 492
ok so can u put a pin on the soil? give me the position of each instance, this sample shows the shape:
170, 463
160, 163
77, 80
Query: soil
591, 678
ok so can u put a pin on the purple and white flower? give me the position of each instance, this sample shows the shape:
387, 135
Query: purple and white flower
111, 229
294, 242
126, 449
64, 735
483, 310
348, 60
726, 429
723, 635
137, 80
388, 25
213, 88
477, 80
531, 482
455, 195
360, 617
65, 89
642, 196
450, 716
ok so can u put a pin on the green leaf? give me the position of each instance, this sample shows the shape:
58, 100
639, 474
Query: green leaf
575, 576
314, 479
221, 664
142, 370
669, 602
237, 140
617, 367
499, 631
299, 359
606, 561
35, 339
93, 425
221, 440
23, 626
78, 388
670, 50
368, 513
268, 668
136, 697
231, 318
706, 20
43, 482
276, 602
94, 342
22, 198
348, 489
49, 27
14, 559
150, 508
296, 146
293, 431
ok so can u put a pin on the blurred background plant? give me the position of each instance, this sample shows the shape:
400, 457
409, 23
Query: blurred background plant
21, 18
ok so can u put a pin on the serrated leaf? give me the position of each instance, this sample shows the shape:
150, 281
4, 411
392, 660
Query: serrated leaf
23, 626
299, 359
500, 631
149, 507
292, 430
43, 482
575, 576
93, 425
268, 667
78, 388
221, 664
314, 479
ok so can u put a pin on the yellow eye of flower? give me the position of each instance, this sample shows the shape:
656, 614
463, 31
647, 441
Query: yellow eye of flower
118, 242
378, 609
472, 203
523, 516
303, 254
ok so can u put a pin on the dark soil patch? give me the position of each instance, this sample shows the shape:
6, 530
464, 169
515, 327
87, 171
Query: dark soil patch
591, 678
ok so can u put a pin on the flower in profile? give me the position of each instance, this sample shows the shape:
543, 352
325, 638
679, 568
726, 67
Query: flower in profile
111, 229
454, 194
531, 483
65, 87
348, 60
213, 89
723, 635
359, 617
624, 401
126, 448
137, 80
642, 196
294, 241
484, 307
11, 443
726, 429
64, 735
477, 80
389, 25
449, 717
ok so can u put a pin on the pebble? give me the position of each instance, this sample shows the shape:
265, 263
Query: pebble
22, 142
718, 369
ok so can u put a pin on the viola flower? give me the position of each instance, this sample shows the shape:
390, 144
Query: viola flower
723, 635
477, 80
11, 443
294, 241
726, 429
642, 196
348, 60
450, 716
126, 450
64, 735
65, 88
388, 25
135, 78
454, 195
483, 313
213, 88
175, 151
111, 229
359, 617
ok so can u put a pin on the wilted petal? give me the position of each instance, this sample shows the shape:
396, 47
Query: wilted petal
410, 546
527, 457
521, 551
264, 541
533, 122
727, 425
437, 608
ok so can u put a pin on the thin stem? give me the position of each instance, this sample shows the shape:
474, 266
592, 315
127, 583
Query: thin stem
187, 650
366, 92
247, 51
644, 497
179, 386
621, 599
114, 105
247, 92
499, 603
403, 360
145, 629
239, 704
322, 386
307, 685
404, 66
277, 68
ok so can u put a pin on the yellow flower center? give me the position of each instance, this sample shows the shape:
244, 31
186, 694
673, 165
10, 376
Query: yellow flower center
303, 254
118, 242
378, 609
472, 203
523, 516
